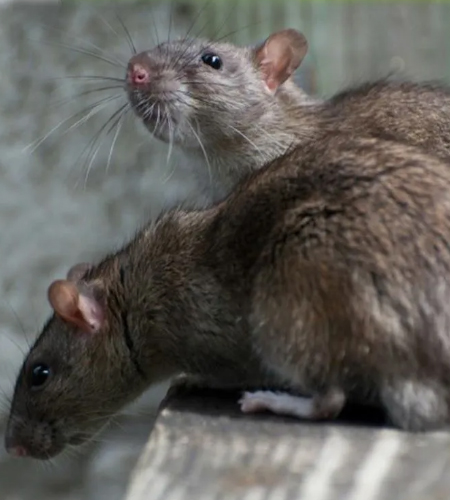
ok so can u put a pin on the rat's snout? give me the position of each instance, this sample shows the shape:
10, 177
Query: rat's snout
35, 440
15, 450
139, 71
13, 443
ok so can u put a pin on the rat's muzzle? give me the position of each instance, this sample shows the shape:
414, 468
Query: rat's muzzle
38, 440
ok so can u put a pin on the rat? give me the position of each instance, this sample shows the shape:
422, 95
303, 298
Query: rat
327, 270
229, 110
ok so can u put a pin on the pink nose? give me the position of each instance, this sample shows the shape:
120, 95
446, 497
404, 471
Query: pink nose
18, 451
138, 74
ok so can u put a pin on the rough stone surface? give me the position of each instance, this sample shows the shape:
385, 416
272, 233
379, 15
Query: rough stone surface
202, 448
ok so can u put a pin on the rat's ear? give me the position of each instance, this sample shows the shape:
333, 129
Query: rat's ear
79, 308
279, 56
77, 271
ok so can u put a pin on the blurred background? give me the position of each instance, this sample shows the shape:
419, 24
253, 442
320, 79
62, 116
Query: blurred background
57, 209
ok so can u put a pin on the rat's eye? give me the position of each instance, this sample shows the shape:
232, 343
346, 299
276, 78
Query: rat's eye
39, 375
212, 60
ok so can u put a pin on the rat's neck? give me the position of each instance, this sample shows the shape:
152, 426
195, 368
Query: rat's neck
182, 315
222, 164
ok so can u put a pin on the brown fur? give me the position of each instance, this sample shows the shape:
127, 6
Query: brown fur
331, 262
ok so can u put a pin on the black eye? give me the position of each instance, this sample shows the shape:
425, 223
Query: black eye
212, 60
39, 375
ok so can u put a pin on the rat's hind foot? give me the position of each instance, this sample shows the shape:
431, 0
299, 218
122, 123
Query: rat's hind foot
323, 407
416, 406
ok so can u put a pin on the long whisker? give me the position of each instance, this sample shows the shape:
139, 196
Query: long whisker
35, 144
107, 24
89, 115
84, 93
118, 125
251, 25
88, 77
127, 34
282, 146
196, 18
101, 51
91, 144
191, 27
155, 28
203, 150
20, 323
227, 17
171, 136
216, 40
170, 20
217, 84
247, 139
86, 52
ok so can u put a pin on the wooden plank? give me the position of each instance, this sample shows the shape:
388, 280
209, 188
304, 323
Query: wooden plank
202, 448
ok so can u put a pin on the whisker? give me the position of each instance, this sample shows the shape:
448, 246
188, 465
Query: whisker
171, 136
157, 119
118, 125
246, 138
86, 52
127, 34
218, 84
97, 136
88, 77
101, 51
233, 32
170, 20
155, 28
107, 24
196, 18
21, 326
94, 111
203, 149
35, 144
216, 40
84, 93
227, 18
283, 147
191, 27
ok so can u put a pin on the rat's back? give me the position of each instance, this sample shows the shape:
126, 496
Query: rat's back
349, 259
414, 113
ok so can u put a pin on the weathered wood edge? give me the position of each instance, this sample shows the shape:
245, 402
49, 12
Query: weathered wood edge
202, 448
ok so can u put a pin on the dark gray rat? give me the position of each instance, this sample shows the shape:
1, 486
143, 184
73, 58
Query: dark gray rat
327, 270
232, 109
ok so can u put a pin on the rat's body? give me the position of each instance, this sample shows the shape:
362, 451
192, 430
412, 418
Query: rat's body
331, 265
232, 109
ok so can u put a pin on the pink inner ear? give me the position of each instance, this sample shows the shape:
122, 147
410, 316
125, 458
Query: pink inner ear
63, 297
92, 312
75, 307
279, 56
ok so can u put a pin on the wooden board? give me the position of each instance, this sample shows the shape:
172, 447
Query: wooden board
202, 448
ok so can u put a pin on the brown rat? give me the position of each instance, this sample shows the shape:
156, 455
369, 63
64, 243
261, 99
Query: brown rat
231, 109
328, 268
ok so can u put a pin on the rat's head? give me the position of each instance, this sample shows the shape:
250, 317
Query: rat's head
193, 90
79, 372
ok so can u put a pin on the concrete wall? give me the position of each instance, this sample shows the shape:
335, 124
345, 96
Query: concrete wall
53, 215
